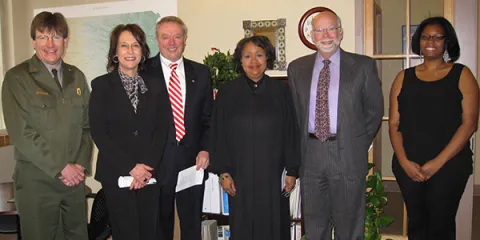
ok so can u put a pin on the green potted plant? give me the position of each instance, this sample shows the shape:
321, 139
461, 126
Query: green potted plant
222, 67
375, 202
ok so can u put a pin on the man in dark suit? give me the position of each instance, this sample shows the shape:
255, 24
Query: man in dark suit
339, 106
189, 86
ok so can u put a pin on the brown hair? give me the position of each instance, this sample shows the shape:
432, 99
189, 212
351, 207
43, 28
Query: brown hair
137, 33
49, 22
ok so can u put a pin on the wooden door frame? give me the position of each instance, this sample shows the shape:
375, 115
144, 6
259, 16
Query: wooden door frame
466, 26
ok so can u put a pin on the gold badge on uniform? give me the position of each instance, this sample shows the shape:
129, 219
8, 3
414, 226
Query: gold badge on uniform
79, 92
38, 92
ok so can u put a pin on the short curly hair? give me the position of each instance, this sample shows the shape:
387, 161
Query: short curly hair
451, 41
259, 41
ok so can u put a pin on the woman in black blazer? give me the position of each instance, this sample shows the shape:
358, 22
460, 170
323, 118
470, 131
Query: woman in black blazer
128, 118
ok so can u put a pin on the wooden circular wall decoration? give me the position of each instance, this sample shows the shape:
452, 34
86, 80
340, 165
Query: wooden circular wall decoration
305, 25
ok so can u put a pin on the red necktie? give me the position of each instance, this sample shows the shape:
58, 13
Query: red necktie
322, 114
175, 94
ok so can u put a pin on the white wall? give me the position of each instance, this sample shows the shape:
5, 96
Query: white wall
212, 23
218, 23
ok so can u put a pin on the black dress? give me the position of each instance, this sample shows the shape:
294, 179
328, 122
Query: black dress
430, 114
255, 138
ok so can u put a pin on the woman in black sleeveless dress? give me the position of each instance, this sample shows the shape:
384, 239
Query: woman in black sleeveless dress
433, 114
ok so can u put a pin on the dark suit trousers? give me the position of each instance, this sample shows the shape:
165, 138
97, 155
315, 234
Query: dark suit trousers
189, 206
329, 194
133, 213
432, 205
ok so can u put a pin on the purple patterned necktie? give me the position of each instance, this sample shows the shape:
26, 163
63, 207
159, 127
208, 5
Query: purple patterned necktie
322, 114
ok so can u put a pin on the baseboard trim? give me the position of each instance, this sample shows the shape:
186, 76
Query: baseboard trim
476, 190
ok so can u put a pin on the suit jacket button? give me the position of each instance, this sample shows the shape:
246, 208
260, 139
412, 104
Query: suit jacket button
135, 133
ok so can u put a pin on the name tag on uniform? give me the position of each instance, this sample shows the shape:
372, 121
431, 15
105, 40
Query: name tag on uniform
41, 93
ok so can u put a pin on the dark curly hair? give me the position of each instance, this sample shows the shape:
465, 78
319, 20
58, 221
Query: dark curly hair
137, 33
451, 40
259, 41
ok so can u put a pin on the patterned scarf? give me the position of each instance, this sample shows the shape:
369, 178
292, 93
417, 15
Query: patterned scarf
131, 85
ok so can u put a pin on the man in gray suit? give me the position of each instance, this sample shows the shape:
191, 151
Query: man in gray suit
339, 105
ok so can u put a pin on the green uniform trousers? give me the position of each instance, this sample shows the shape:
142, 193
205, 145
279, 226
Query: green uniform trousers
48, 209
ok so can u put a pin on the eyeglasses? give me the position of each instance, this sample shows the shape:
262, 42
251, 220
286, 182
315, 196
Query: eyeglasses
434, 38
327, 30
44, 38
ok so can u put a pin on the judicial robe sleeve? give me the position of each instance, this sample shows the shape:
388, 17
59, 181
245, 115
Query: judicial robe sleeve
220, 161
292, 139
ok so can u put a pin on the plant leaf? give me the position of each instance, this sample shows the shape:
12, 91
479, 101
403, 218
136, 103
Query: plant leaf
384, 221
375, 201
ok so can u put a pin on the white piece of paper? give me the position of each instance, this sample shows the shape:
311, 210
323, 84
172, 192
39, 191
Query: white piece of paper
188, 178
126, 181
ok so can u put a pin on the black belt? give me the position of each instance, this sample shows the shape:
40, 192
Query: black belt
329, 139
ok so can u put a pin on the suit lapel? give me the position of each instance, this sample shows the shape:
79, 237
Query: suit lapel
67, 75
143, 98
347, 76
121, 94
190, 79
156, 70
306, 73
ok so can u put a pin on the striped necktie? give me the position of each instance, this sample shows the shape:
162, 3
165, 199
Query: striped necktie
175, 94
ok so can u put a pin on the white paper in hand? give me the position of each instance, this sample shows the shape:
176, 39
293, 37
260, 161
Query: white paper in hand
188, 178
126, 181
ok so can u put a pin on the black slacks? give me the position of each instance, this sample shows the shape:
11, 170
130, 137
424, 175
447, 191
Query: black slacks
133, 213
189, 208
432, 205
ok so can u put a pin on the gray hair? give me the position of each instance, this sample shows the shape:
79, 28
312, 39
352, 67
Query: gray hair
173, 19
339, 21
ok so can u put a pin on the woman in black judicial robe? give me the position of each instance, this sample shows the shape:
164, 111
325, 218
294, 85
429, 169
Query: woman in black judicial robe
255, 137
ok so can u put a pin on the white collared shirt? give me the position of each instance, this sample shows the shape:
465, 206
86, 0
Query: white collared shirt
180, 72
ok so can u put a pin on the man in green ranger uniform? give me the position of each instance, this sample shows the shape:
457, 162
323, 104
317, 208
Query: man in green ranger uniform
45, 103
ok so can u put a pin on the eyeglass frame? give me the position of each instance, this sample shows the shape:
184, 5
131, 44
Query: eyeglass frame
45, 38
435, 38
325, 30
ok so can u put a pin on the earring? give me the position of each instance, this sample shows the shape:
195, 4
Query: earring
446, 57
144, 59
115, 60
